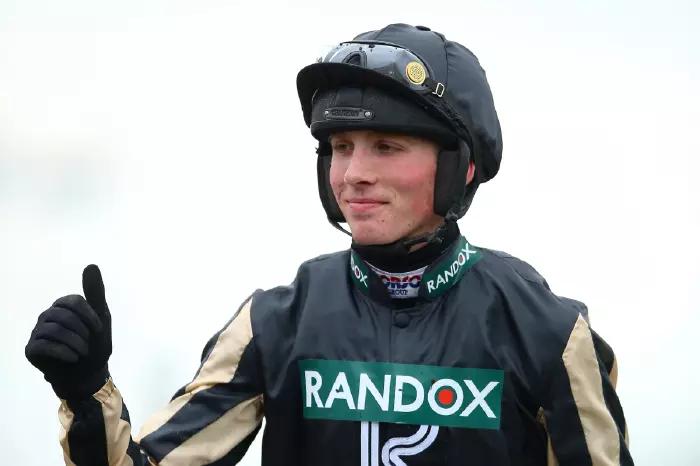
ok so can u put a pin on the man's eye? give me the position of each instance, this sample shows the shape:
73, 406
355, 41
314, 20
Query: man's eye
386, 148
340, 147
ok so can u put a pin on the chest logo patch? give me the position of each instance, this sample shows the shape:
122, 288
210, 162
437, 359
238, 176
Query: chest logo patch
401, 393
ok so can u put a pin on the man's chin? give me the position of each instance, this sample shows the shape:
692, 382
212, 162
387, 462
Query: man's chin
370, 236
373, 232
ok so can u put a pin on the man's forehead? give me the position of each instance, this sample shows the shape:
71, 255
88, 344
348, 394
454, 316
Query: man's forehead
375, 134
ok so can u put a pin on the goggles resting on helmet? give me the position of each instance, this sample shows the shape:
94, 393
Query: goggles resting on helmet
390, 60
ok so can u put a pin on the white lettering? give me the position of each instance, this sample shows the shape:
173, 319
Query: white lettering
440, 281
382, 399
313, 385
479, 399
357, 272
450, 273
468, 251
340, 390
459, 397
399, 405
447, 274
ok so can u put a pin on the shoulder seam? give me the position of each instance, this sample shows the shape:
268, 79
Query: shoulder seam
510, 259
323, 257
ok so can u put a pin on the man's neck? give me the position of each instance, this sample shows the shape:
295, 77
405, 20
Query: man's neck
389, 260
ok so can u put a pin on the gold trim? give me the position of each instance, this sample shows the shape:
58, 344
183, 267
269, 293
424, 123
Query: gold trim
551, 458
599, 429
219, 367
219, 437
65, 417
613, 373
117, 430
104, 393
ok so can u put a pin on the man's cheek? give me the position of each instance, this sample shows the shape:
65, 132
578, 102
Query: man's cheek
336, 182
417, 191
422, 200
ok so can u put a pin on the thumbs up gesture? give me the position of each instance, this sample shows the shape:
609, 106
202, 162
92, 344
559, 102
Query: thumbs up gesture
72, 340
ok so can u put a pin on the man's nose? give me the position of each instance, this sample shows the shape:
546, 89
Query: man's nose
360, 168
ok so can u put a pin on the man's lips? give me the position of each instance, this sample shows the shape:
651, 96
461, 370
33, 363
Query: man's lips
363, 204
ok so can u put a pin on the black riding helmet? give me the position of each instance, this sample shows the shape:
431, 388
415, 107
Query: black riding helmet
412, 80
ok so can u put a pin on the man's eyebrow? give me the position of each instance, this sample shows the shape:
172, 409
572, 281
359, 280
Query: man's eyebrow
396, 138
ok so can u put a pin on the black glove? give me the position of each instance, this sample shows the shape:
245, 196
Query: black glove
72, 340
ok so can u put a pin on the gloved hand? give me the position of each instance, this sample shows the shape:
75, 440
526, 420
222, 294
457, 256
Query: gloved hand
72, 340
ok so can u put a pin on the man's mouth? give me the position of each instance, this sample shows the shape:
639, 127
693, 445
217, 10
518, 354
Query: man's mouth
363, 204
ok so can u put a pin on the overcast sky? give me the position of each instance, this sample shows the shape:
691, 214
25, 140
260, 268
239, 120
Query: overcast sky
163, 140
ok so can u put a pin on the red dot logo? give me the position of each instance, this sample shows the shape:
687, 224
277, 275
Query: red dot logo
446, 396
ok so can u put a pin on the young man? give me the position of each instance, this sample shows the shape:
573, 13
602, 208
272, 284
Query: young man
414, 347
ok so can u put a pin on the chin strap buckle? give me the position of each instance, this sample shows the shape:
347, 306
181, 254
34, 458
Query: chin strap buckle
439, 89
436, 237
436, 87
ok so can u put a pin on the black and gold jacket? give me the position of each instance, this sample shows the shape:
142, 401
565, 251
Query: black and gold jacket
488, 367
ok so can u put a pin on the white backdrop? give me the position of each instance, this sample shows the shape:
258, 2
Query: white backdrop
163, 140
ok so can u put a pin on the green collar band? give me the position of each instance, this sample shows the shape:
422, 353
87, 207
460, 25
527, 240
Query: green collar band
444, 273
359, 271
438, 278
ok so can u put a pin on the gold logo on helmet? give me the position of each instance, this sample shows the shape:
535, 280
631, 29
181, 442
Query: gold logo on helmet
415, 72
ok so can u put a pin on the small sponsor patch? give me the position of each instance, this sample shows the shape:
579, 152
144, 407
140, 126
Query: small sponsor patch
400, 285
348, 113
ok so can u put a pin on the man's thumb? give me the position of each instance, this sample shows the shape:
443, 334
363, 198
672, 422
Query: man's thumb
94, 289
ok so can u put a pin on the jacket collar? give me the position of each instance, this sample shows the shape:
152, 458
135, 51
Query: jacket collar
440, 276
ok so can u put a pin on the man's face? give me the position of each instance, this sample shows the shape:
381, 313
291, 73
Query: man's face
384, 184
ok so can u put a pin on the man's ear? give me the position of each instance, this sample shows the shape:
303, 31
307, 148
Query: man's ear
470, 172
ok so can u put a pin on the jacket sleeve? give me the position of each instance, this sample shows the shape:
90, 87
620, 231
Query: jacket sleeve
583, 415
210, 421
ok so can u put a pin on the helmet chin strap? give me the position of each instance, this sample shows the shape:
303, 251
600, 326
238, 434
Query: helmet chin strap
402, 247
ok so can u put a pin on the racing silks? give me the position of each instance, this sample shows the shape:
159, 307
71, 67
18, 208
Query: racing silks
488, 368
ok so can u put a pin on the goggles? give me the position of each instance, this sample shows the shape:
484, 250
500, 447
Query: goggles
390, 60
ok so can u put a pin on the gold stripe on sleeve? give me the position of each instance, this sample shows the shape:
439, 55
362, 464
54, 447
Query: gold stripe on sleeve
117, 430
600, 431
551, 457
218, 438
613, 373
65, 417
219, 367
